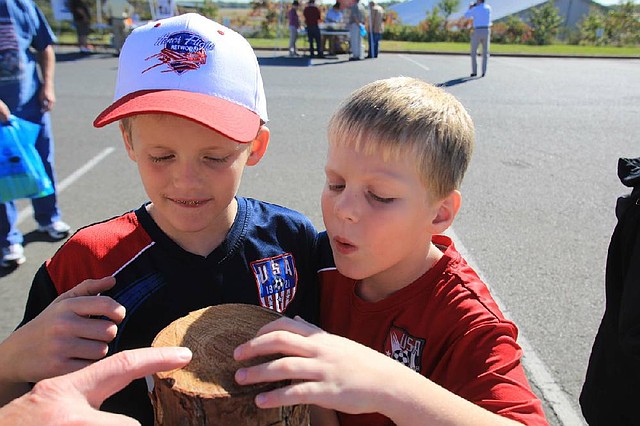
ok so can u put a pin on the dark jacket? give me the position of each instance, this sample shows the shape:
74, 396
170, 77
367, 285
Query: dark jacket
611, 392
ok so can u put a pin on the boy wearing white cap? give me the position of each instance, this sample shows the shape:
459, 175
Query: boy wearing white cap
192, 112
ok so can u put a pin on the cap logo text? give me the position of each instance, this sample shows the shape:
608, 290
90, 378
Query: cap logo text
181, 52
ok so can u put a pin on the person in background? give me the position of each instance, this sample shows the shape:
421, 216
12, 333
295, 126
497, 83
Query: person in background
334, 15
312, 18
480, 13
611, 388
357, 16
376, 20
27, 66
333, 19
294, 26
166, 9
117, 12
82, 23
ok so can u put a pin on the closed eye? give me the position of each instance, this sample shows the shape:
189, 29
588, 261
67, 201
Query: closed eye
161, 158
378, 199
218, 160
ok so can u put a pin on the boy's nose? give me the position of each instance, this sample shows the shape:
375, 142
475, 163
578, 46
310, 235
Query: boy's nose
186, 174
346, 206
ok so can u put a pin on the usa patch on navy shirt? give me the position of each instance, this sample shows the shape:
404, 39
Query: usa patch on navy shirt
277, 281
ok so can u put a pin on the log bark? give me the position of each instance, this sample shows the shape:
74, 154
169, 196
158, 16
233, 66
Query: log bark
205, 392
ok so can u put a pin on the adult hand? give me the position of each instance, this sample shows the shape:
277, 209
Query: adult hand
4, 112
74, 399
47, 97
47, 62
327, 370
71, 333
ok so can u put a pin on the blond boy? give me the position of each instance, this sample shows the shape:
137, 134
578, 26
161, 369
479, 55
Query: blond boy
442, 352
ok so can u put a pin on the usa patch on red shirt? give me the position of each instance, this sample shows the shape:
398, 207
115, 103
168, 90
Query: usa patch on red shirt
404, 348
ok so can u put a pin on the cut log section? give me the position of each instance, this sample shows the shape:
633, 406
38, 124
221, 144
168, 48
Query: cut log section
205, 392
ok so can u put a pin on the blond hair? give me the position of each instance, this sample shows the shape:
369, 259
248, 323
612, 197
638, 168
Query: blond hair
406, 116
126, 124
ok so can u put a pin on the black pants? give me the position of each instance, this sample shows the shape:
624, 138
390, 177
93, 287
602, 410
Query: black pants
313, 33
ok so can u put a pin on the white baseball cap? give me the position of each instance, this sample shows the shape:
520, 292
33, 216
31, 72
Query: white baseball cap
194, 68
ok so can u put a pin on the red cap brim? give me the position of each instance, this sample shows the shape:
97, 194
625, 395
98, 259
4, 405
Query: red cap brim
230, 119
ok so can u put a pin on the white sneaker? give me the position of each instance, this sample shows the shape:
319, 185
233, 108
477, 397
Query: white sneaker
57, 230
13, 256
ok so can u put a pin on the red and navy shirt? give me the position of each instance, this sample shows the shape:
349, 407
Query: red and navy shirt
445, 326
267, 259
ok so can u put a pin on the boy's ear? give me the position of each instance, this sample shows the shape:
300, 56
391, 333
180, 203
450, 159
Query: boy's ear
127, 142
259, 146
446, 213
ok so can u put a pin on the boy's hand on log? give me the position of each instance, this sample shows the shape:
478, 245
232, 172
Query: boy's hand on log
71, 333
327, 370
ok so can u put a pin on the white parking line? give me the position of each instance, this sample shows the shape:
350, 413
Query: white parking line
28, 211
424, 67
539, 374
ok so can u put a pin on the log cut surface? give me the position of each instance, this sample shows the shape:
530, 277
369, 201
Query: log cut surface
205, 392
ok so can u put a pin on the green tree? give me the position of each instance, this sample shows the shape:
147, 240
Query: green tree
433, 25
620, 26
623, 24
209, 9
516, 31
545, 21
269, 12
592, 28
447, 7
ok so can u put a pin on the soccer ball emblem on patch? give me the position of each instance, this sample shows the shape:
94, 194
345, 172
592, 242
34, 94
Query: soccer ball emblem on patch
277, 281
405, 348
181, 52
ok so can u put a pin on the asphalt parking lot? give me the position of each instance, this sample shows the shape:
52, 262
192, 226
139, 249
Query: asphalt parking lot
538, 199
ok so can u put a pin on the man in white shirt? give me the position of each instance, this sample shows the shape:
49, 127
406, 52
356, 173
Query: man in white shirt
117, 12
481, 15
165, 9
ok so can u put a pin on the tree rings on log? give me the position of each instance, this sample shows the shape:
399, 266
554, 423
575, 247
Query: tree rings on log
205, 392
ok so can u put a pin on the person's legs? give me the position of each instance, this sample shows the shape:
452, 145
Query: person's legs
118, 34
376, 44
485, 50
9, 232
317, 35
45, 209
474, 53
354, 40
310, 39
83, 30
293, 36
11, 238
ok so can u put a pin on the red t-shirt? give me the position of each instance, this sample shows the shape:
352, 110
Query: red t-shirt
447, 327
311, 16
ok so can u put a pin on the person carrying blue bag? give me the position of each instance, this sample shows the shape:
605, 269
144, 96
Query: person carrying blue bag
23, 30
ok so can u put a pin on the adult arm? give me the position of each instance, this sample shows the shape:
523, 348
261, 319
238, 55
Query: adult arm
75, 398
336, 373
47, 62
69, 334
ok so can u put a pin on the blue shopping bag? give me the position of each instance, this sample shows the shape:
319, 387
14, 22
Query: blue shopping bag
363, 30
22, 174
